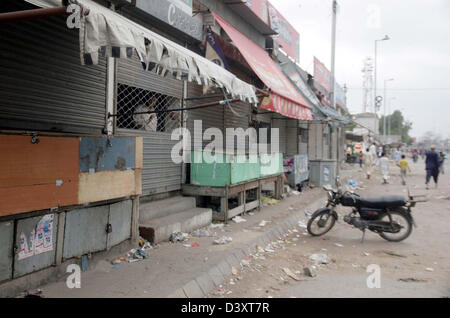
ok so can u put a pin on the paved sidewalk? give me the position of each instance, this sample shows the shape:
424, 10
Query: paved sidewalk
173, 270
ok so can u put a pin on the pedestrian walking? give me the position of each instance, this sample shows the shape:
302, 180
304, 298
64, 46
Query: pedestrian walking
432, 166
361, 156
397, 155
383, 162
404, 167
442, 157
368, 162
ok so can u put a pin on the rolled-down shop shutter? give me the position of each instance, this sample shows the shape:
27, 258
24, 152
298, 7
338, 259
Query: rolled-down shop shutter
238, 117
281, 125
159, 173
43, 85
210, 117
292, 137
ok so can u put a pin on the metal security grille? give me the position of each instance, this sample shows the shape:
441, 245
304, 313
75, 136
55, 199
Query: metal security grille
142, 109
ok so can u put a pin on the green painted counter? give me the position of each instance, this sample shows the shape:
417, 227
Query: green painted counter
229, 170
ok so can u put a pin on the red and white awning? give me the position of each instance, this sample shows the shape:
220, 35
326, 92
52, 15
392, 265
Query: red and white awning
284, 98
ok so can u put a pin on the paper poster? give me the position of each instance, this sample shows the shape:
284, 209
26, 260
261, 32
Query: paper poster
326, 174
40, 239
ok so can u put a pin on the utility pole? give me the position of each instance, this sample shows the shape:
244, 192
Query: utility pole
385, 102
333, 51
375, 68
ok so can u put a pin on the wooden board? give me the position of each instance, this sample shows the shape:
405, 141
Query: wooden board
37, 176
104, 154
139, 152
106, 185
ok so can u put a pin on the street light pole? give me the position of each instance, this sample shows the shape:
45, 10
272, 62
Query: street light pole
375, 70
385, 102
333, 50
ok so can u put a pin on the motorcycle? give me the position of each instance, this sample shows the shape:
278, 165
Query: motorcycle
388, 216
415, 157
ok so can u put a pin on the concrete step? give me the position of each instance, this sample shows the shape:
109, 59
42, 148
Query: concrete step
160, 229
161, 208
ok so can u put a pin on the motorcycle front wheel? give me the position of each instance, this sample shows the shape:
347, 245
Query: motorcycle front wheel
320, 222
402, 226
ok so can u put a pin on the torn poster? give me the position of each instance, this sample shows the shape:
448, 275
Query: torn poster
40, 239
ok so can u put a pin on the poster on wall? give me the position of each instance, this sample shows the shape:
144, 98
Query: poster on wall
326, 174
40, 239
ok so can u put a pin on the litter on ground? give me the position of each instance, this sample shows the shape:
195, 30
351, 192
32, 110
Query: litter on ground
320, 258
223, 240
238, 219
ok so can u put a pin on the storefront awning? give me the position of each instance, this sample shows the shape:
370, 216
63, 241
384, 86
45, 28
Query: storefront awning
105, 32
292, 72
284, 98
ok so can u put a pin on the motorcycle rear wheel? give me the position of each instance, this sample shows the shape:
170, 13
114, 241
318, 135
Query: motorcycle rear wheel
400, 219
323, 220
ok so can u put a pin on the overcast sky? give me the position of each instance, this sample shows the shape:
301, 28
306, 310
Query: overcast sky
417, 56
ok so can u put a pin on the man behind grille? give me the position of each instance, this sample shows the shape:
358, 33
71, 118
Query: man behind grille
147, 122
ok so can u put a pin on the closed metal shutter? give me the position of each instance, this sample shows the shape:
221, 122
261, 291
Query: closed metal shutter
238, 118
292, 137
159, 173
211, 117
130, 72
281, 125
43, 85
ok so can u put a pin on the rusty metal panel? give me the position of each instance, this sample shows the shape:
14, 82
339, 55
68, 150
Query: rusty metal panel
35, 255
120, 220
85, 231
37, 176
6, 248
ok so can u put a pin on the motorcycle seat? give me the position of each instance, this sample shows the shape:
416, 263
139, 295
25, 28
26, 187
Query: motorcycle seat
391, 201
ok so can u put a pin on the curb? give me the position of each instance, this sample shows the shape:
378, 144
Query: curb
200, 286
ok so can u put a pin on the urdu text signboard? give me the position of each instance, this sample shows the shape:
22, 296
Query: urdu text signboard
177, 13
322, 74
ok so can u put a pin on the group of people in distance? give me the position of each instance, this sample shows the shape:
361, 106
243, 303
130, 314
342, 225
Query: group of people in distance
434, 163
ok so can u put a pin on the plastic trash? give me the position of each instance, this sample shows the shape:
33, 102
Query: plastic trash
352, 183
201, 233
178, 237
270, 201
320, 258
140, 254
223, 240
238, 219
308, 271
301, 224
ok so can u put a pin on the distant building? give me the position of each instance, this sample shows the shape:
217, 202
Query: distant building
369, 121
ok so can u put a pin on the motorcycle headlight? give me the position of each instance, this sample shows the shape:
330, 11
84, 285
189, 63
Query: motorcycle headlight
330, 195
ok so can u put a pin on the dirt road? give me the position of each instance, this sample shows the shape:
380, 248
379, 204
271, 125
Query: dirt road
416, 267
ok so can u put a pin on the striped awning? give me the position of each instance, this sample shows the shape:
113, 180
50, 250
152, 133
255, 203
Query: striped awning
107, 33
283, 98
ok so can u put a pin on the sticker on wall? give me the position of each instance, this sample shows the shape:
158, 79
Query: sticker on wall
40, 239
326, 174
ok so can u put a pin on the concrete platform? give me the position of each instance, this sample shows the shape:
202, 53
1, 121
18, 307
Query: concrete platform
161, 208
160, 229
